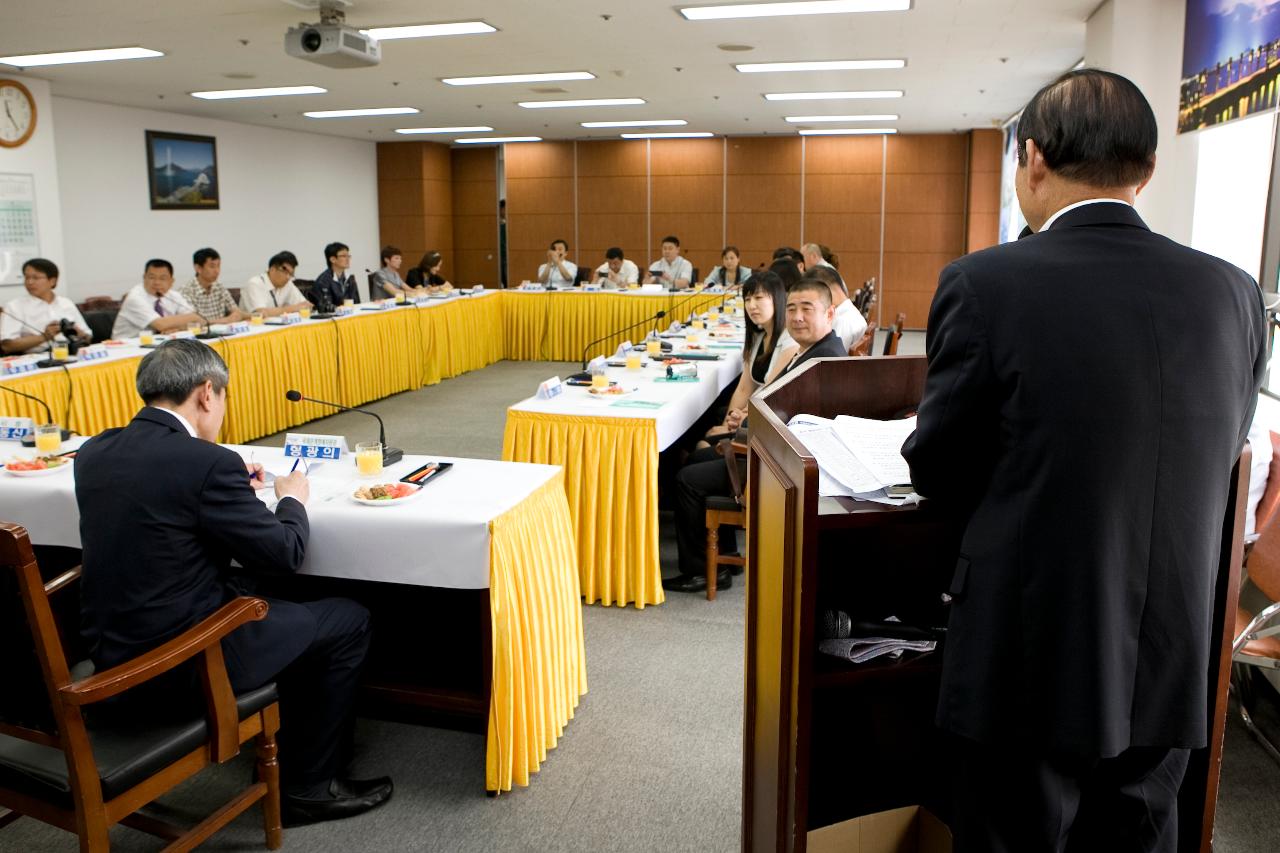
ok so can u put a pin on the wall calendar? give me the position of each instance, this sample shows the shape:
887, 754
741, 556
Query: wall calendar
19, 239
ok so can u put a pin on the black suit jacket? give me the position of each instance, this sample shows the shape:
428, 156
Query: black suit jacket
162, 515
829, 347
1089, 390
338, 289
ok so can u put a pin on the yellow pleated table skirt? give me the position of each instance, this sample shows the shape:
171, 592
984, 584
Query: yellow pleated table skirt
611, 479
539, 660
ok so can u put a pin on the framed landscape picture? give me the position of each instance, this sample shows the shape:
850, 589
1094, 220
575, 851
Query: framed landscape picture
182, 171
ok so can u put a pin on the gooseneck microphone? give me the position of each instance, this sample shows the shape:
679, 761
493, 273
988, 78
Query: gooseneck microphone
390, 455
646, 321
30, 440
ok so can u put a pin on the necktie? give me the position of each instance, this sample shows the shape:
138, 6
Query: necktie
159, 307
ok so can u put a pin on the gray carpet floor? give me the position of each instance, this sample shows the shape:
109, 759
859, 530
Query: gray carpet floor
653, 758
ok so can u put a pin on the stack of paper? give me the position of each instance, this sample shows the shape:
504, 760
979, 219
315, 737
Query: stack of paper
863, 649
857, 457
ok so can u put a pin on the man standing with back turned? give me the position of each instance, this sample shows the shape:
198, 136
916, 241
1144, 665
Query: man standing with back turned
1089, 389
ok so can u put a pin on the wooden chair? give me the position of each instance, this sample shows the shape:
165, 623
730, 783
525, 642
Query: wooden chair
1257, 638
1270, 500
100, 303
725, 509
862, 346
85, 779
895, 334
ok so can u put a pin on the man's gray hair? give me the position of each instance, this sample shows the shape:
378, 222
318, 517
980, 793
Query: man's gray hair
174, 369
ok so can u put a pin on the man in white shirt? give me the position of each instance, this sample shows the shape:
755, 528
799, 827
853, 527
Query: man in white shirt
849, 323
558, 272
32, 321
671, 269
616, 270
154, 304
273, 293
814, 256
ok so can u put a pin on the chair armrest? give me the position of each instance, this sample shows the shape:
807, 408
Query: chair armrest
62, 581
196, 639
1251, 631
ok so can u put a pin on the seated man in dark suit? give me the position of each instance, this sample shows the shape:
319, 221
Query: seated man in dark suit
809, 318
334, 285
163, 512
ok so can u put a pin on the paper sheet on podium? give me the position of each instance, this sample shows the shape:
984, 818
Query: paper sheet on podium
857, 457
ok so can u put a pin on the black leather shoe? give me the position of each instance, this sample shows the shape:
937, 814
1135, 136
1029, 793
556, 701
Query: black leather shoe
697, 583
347, 798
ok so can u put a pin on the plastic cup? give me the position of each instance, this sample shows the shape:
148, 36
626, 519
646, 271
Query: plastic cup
400, 297
654, 347
304, 313
195, 328
633, 360
256, 319
698, 324
599, 381
369, 458
61, 352
48, 438
146, 338
347, 303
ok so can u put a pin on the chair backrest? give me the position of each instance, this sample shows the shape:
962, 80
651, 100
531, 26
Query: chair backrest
235, 294
101, 322
100, 303
34, 664
693, 272
305, 285
375, 292
862, 346
895, 334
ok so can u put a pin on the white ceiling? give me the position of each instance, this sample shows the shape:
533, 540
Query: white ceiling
969, 62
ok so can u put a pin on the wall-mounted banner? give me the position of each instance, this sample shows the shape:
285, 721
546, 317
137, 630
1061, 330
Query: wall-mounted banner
1230, 61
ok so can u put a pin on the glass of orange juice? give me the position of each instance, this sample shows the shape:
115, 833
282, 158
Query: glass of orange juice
399, 297
48, 438
654, 346
257, 319
146, 338
369, 458
691, 337
633, 360
60, 352
195, 328
713, 316
347, 303
305, 312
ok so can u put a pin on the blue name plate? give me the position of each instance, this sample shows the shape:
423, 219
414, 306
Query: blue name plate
301, 445
16, 428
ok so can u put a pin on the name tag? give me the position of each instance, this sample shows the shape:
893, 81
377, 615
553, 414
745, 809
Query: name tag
291, 318
592, 288
380, 305
479, 288
16, 428
533, 288
92, 352
344, 310
551, 388
20, 364
302, 445
421, 300
238, 328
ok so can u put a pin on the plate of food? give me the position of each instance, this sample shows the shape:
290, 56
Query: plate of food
112, 342
386, 494
614, 390
40, 466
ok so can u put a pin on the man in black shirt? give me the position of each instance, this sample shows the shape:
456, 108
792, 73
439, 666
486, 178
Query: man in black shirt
809, 319
334, 282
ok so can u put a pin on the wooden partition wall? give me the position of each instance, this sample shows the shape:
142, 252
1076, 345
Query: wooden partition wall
897, 208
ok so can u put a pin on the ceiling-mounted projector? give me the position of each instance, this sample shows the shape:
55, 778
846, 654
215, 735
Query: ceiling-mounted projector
334, 45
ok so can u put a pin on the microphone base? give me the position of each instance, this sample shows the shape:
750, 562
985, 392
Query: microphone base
207, 336
55, 362
30, 440
391, 455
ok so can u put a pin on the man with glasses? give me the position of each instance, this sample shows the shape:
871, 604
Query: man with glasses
334, 283
273, 293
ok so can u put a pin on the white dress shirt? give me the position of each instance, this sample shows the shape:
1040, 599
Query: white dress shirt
849, 323
556, 278
1052, 219
138, 311
259, 292
679, 268
36, 312
628, 273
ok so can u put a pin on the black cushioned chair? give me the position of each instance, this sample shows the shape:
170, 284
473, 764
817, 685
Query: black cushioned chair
85, 778
100, 322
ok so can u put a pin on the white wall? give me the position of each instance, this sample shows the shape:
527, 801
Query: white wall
37, 157
279, 190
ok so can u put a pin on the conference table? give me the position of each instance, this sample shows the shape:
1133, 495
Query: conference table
459, 533
609, 451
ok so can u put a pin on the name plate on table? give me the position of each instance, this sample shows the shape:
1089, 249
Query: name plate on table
553, 387
535, 288
19, 364
302, 445
344, 310
237, 328
421, 300
591, 288
479, 288
16, 428
380, 305
653, 288
290, 318
92, 352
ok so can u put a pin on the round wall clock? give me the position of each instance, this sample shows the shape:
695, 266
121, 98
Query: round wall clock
17, 114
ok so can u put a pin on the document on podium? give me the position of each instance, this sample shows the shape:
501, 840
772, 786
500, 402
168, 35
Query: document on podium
878, 446
859, 459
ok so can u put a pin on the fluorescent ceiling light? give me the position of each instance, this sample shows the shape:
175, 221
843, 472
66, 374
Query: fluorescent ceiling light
479, 128
824, 65
691, 134
813, 7
372, 111
817, 119
69, 57
590, 102
651, 122
832, 96
268, 92
849, 131
519, 78
494, 139
422, 31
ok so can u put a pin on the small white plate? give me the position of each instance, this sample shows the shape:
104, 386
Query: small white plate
39, 472
396, 502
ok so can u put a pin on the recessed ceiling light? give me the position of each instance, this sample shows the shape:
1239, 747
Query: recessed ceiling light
69, 57
372, 111
496, 139
648, 122
816, 119
590, 102
479, 128
422, 31
823, 65
268, 92
812, 7
849, 131
735, 48
519, 78
690, 134
832, 96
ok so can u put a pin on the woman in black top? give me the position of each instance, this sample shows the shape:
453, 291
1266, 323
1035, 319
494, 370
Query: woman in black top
427, 272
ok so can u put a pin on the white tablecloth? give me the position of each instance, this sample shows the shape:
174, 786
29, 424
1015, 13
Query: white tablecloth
440, 538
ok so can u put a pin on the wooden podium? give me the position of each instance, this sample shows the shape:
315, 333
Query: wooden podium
823, 740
